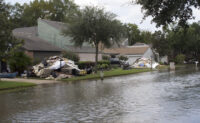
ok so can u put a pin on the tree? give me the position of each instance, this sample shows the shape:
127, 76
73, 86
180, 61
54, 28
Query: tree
55, 10
94, 26
133, 33
161, 44
8, 44
60, 10
168, 11
19, 62
147, 37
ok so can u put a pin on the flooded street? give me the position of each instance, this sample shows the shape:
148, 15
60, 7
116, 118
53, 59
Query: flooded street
158, 96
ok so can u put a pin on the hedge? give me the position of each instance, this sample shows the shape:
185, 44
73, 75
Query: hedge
87, 64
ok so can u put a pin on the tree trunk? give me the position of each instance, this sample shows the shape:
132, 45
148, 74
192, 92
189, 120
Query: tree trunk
96, 56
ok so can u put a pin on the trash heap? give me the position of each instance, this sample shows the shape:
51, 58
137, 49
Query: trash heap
144, 63
57, 67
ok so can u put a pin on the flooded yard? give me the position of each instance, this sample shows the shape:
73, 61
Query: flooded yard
158, 96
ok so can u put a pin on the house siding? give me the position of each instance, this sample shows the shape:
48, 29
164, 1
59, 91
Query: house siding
29, 53
133, 58
40, 55
89, 56
149, 54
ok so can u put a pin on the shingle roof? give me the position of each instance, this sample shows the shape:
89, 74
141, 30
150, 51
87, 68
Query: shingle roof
55, 24
82, 49
32, 42
127, 50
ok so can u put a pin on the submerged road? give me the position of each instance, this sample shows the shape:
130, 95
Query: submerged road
158, 96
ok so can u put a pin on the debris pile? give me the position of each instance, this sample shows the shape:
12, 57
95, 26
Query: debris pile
57, 67
145, 63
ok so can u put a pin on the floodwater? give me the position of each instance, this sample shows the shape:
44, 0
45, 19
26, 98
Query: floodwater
159, 96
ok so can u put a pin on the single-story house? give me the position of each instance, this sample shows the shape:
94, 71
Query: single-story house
134, 52
34, 46
51, 31
46, 39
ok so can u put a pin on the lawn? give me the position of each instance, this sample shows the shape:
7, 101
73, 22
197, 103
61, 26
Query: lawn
5, 85
111, 73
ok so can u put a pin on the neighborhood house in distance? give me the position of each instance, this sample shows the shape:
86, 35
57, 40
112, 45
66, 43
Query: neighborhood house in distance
46, 40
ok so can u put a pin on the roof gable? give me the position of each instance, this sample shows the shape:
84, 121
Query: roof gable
32, 42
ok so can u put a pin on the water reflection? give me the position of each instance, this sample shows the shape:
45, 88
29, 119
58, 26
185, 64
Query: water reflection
158, 96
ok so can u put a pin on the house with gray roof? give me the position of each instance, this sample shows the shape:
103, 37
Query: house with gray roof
51, 31
46, 39
34, 46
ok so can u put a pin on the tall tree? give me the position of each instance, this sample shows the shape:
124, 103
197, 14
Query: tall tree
147, 37
7, 42
95, 26
133, 33
55, 10
168, 11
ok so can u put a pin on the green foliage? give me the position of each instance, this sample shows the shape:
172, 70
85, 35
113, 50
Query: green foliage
19, 62
85, 64
133, 33
72, 56
146, 37
88, 64
94, 26
56, 10
161, 44
104, 62
8, 43
124, 58
180, 59
169, 11
105, 57
178, 40
110, 73
4, 85
102, 66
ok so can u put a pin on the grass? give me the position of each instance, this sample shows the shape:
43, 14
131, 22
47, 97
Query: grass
111, 73
6, 85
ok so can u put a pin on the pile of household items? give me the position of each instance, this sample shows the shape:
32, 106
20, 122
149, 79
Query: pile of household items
57, 67
145, 63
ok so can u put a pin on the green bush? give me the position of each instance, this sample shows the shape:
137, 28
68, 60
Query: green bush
124, 58
105, 57
19, 62
104, 62
70, 55
87, 64
102, 66
180, 59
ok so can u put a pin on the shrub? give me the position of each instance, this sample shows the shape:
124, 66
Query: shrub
104, 62
19, 62
105, 57
180, 59
87, 64
102, 66
72, 56
124, 58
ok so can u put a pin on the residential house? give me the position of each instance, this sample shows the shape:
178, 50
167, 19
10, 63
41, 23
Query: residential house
34, 46
51, 31
134, 52
46, 39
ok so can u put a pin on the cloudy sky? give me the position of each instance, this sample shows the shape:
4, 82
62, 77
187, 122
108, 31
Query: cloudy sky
126, 13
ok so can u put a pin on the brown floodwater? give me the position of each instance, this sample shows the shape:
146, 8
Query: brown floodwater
158, 96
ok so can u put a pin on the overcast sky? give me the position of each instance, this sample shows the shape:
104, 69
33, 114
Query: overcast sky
126, 13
